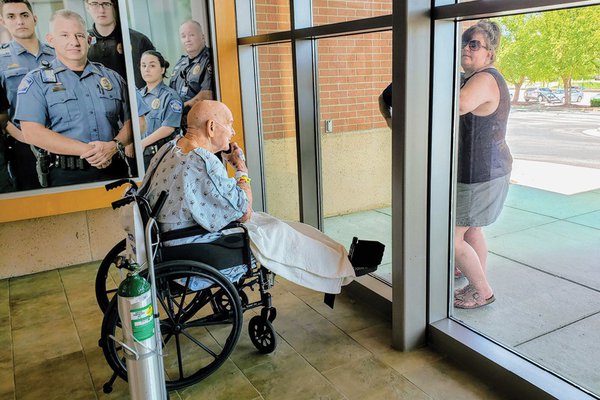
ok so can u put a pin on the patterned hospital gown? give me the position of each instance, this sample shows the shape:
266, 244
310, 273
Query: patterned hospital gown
200, 192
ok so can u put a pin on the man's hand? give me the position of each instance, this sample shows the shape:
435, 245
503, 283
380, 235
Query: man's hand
101, 153
236, 158
130, 151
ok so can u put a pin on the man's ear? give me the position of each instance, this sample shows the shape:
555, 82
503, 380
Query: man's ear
210, 127
34, 20
50, 39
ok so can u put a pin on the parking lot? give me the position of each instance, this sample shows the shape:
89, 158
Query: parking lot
584, 102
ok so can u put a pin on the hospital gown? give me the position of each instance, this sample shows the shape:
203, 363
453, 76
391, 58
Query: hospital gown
201, 193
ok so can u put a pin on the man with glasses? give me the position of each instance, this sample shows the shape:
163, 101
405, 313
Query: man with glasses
22, 54
75, 110
108, 46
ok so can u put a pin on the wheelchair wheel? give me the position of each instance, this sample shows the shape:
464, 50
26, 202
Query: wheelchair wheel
108, 271
197, 337
262, 334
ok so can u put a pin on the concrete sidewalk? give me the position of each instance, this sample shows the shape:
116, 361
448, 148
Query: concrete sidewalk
544, 267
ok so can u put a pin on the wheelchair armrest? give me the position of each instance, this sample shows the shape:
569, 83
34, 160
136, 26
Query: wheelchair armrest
198, 230
183, 233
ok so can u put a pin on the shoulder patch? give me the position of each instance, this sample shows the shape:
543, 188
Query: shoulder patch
25, 84
176, 106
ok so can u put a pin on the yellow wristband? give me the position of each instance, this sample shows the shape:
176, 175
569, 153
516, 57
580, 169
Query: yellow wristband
244, 179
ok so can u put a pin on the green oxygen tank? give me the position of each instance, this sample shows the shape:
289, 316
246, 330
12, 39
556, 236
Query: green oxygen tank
137, 319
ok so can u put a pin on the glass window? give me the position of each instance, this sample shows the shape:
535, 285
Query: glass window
279, 130
331, 11
271, 16
355, 139
528, 190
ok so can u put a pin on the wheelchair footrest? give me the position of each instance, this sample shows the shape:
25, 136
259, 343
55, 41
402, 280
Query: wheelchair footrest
365, 255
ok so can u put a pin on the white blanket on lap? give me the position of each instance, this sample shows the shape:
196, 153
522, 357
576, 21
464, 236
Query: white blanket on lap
299, 253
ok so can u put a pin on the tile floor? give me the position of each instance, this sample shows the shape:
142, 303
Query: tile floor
50, 324
543, 265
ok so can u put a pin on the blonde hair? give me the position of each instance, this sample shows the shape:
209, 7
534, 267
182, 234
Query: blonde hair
491, 32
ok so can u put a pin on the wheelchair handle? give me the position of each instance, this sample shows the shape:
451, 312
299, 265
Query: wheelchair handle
122, 202
120, 182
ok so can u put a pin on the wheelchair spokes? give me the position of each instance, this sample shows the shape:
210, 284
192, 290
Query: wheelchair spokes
197, 339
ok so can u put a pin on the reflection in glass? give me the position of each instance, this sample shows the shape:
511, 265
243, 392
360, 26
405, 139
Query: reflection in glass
355, 140
542, 252
279, 130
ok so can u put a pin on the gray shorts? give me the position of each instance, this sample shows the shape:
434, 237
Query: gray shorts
480, 204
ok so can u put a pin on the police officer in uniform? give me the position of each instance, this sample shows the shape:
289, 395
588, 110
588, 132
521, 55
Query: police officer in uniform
108, 46
21, 55
6, 184
75, 109
192, 76
166, 107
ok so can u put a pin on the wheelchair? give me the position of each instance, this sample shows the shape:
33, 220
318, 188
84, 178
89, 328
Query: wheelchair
201, 310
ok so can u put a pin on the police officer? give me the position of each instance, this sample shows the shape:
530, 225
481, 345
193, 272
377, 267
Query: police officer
6, 184
75, 109
21, 55
166, 107
108, 46
192, 76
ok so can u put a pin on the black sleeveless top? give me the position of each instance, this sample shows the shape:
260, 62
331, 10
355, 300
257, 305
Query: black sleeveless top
483, 154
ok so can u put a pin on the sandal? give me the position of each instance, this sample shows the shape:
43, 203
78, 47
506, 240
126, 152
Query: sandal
472, 299
460, 292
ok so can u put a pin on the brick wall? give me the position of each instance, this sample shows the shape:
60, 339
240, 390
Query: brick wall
352, 70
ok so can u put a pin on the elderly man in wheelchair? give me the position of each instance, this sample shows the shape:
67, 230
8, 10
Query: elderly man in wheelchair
211, 246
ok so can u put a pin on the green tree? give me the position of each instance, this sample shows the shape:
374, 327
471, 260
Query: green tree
572, 42
518, 55
543, 47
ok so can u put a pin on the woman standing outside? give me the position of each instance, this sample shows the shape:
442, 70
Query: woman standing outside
166, 107
484, 159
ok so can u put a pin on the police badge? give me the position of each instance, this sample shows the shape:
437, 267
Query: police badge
120, 48
155, 104
105, 83
196, 70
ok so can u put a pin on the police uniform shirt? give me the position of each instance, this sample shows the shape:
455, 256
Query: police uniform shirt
165, 108
108, 50
87, 108
191, 76
143, 108
15, 63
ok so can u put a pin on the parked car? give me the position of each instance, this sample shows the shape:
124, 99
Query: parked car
576, 95
540, 94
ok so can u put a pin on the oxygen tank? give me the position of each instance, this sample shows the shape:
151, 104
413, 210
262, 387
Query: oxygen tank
144, 369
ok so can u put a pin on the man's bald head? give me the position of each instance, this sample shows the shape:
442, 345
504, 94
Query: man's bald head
206, 110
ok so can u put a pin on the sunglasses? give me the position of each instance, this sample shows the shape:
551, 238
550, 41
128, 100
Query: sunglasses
473, 44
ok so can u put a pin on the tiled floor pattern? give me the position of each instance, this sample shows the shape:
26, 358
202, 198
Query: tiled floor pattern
50, 325
544, 267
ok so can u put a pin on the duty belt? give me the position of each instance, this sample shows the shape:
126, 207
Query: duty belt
70, 162
151, 150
